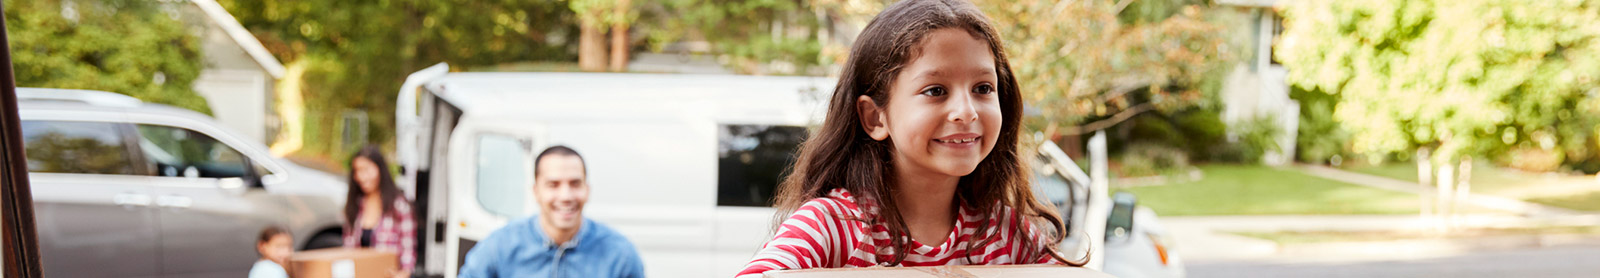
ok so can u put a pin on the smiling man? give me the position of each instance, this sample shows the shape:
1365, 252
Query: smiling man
558, 242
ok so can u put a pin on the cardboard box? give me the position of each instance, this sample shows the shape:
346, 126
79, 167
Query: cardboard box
966, 271
343, 263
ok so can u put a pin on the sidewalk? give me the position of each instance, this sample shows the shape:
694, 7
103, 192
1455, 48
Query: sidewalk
1206, 239
1480, 200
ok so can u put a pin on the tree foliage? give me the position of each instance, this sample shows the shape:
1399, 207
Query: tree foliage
1080, 62
1465, 77
358, 52
130, 47
751, 36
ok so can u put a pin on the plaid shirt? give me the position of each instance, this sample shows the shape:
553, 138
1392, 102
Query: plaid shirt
395, 233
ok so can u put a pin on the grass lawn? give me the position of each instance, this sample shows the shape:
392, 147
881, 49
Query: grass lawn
1263, 190
1560, 190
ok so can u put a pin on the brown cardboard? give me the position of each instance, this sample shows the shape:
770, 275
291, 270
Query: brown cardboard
968, 271
343, 263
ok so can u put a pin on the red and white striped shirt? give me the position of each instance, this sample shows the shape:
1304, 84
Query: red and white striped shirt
822, 234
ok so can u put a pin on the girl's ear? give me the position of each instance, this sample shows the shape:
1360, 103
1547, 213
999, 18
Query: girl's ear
872, 118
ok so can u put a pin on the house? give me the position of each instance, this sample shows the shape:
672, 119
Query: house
1256, 88
238, 74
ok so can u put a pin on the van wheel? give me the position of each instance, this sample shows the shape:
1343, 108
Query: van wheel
325, 239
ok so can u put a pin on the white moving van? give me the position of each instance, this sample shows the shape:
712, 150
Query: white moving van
685, 166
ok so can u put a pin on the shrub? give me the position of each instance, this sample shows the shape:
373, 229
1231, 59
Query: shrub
1148, 159
1254, 138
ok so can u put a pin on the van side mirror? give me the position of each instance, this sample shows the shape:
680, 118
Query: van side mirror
1120, 223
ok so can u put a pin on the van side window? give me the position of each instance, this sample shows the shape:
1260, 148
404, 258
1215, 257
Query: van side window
752, 160
179, 152
76, 147
503, 174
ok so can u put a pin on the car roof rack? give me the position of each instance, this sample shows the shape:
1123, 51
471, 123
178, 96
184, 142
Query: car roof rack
90, 97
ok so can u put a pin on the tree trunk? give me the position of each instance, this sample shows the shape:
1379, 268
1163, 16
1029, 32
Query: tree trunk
1463, 190
591, 48
619, 38
1425, 178
1446, 181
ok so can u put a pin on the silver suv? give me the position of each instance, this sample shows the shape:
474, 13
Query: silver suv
129, 189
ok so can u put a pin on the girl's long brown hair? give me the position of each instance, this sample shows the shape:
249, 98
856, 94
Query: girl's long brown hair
841, 155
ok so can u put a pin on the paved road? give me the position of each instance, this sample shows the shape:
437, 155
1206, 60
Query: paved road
1573, 261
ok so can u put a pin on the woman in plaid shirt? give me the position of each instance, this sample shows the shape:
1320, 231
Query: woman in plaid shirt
376, 215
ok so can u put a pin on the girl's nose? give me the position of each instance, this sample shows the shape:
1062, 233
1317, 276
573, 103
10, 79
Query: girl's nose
962, 110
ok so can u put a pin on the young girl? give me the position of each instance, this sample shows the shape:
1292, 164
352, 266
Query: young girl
274, 244
917, 163
378, 216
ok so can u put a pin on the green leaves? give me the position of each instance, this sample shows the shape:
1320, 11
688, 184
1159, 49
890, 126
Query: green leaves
128, 47
1447, 74
1080, 61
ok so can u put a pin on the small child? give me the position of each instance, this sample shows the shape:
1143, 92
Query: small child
274, 244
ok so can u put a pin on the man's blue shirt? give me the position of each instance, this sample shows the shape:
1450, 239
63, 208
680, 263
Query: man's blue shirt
521, 249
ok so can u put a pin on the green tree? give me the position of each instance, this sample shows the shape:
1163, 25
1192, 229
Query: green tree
130, 47
1464, 77
594, 16
751, 36
1090, 65
356, 53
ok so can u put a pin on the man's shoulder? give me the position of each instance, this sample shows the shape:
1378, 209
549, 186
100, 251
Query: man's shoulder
522, 229
608, 238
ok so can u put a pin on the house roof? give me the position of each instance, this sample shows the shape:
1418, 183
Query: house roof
241, 36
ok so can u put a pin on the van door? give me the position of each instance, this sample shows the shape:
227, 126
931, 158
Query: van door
497, 171
422, 128
208, 201
94, 208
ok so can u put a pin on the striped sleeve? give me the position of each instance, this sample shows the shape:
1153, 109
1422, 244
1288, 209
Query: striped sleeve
813, 237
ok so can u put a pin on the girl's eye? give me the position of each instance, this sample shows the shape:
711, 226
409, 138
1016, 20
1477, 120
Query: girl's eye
983, 89
933, 91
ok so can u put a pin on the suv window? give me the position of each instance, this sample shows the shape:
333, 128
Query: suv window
752, 160
503, 173
76, 147
179, 152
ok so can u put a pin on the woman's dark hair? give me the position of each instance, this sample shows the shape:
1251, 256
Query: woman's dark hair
840, 154
387, 191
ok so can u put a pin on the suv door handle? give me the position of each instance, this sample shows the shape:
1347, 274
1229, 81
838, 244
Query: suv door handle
174, 201
129, 200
